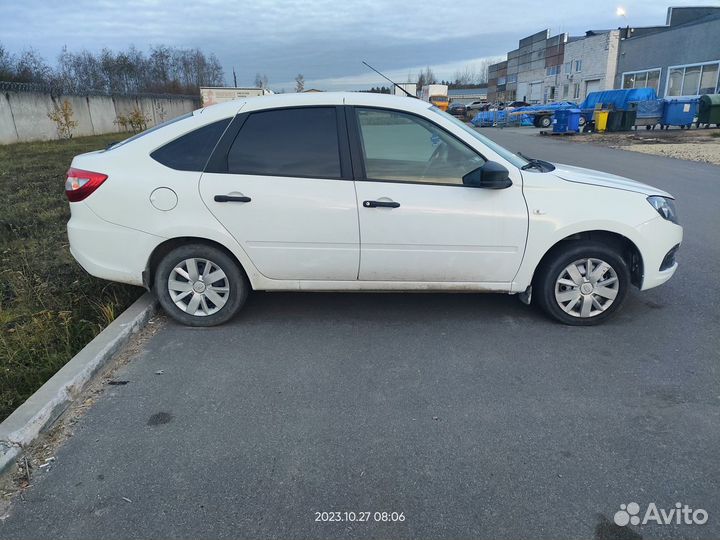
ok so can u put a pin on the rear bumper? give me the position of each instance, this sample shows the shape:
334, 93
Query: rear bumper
660, 236
106, 250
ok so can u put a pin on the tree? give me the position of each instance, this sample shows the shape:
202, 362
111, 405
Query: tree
163, 70
261, 81
430, 76
299, 83
62, 115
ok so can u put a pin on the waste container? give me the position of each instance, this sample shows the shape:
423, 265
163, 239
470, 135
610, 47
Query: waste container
679, 112
709, 110
566, 120
628, 119
649, 112
614, 121
601, 119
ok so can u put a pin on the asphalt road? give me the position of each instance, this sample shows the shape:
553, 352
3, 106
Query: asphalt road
473, 415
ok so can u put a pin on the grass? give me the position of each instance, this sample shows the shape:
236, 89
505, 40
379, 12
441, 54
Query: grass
50, 308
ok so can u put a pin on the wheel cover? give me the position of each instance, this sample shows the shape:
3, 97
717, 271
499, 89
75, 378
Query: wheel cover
199, 287
586, 288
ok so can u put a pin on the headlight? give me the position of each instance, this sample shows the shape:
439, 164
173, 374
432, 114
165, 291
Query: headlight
664, 206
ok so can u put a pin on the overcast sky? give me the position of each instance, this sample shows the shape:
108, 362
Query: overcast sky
323, 39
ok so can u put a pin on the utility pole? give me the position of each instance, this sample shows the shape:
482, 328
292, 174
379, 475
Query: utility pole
234, 78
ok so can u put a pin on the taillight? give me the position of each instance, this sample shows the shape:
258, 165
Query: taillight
80, 184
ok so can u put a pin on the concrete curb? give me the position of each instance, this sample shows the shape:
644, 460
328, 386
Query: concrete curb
42, 408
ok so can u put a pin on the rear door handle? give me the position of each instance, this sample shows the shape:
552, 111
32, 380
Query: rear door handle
381, 204
232, 198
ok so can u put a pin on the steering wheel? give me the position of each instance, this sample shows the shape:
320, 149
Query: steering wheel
440, 153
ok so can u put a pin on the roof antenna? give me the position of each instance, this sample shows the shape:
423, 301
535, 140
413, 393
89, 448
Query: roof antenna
388, 79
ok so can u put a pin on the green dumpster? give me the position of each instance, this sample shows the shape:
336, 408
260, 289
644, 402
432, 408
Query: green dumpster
628, 119
709, 110
614, 122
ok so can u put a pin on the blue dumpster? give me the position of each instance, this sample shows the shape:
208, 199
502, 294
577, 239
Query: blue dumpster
679, 112
566, 120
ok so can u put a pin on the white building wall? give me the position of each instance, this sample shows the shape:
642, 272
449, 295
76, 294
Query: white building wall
598, 55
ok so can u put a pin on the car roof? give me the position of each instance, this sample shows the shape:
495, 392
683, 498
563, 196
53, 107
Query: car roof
315, 99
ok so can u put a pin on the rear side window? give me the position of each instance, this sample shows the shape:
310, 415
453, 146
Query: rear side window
191, 151
288, 142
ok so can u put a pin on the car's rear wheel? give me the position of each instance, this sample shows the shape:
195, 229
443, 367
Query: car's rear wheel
582, 284
200, 285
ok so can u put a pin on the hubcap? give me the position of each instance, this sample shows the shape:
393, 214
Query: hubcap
199, 287
586, 287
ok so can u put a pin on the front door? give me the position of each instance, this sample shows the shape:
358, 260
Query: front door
285, 196
418, 222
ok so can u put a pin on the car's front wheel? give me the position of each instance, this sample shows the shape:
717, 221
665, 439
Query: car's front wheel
200, 285
582, 284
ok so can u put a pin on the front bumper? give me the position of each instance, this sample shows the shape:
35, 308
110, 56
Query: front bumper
659, 238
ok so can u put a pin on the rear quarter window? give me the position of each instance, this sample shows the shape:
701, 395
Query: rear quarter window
191, 151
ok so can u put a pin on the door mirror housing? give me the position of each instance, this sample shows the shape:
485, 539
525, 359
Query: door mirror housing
491, 175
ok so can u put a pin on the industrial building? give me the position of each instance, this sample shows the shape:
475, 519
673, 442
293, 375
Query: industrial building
679, 58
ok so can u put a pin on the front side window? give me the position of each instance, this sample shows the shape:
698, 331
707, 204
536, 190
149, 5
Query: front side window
299, 142
191, 151
406, 148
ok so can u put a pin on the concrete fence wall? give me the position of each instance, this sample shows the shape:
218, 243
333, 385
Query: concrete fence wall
24, 115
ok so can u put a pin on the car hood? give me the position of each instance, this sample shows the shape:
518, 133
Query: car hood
598, 178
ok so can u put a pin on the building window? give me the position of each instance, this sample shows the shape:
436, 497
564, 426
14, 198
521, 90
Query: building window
576, 90
566, 89
568, 67
578, 65
552, 93
693, 79
552, 70
642, 79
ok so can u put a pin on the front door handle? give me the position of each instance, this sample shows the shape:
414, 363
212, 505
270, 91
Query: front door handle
381, 204
232, 198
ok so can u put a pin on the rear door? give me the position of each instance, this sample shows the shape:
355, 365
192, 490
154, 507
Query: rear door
280, 182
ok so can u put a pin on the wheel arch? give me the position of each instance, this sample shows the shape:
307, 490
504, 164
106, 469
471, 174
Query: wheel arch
167, 246
624, 246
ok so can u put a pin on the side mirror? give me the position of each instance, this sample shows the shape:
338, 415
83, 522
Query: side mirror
491, 175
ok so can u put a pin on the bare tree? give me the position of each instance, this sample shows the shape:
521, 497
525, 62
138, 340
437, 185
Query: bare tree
299, 83
261, 81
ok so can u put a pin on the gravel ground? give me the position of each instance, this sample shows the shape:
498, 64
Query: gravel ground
706, 152
701, 145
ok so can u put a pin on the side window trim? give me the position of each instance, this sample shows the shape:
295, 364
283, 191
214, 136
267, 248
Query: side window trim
218, 162
357, 150
353, 134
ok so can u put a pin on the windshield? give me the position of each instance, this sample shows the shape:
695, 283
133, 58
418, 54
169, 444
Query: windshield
504, 152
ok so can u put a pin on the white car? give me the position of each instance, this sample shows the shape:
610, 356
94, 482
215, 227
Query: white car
476, 105
358, 192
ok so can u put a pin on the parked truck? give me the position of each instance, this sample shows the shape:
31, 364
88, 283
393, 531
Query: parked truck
212, 95
437, 94
409, 87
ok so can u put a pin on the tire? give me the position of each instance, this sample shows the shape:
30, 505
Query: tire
211, 302
586, 304
581, 121
545, 121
